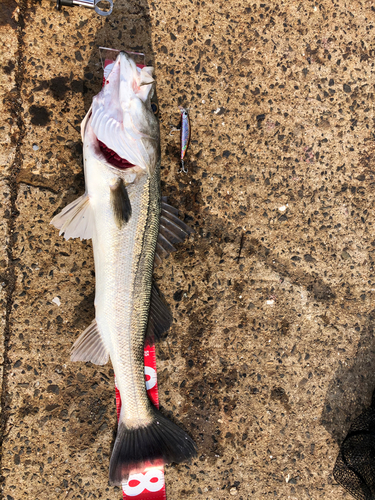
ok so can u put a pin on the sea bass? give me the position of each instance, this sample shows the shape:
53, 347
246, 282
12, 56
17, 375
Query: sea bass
131, 227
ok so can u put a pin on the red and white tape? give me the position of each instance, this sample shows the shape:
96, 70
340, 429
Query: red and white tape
147, 485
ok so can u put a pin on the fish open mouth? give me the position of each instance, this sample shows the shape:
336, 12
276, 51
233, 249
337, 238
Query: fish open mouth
125, 128
113, 158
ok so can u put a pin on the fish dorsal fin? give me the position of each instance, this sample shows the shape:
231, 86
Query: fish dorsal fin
120, 202
172, 230
76, 220
159, 319
89, 346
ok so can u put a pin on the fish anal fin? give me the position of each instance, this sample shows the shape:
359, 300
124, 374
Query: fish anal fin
76, 220
172, 230
120, 202
90, 347
159, 319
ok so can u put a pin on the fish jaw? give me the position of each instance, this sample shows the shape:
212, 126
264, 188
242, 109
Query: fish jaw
122, 117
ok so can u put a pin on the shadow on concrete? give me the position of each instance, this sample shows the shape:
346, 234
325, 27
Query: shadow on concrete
351, 388
127, 28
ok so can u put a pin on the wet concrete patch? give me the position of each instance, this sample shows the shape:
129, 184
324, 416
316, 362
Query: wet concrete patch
7, 10
39, 115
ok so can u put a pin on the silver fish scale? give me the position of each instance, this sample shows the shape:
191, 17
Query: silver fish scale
124, 262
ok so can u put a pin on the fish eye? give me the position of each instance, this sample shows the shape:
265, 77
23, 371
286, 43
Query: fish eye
154, 107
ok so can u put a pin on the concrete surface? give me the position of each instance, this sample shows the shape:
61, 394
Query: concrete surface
271, 354
10, 135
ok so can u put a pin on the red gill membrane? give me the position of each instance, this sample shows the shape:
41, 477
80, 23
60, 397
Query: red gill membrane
113, 158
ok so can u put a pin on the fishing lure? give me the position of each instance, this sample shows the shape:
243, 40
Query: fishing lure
185, 136
184, 129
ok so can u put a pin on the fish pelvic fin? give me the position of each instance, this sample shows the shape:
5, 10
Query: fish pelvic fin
90, 347
76, 220
158, 443
159, 319
120, 202
172, 230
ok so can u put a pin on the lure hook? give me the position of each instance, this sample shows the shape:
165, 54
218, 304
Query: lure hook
183, 170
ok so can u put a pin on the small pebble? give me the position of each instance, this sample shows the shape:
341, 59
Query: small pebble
56, 300
233, 491
35, 147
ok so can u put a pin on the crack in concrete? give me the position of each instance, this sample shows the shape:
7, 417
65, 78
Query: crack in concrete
11, 275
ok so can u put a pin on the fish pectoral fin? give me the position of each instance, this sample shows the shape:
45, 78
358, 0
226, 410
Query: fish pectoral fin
90, 347
76, 220
159, 319
172, 230
120, 202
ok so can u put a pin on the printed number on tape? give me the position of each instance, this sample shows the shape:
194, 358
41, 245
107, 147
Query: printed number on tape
152, 480
151, 378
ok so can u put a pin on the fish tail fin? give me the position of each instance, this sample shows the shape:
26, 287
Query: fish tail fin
158, 443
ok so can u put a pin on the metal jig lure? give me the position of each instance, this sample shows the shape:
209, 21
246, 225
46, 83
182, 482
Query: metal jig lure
185, 136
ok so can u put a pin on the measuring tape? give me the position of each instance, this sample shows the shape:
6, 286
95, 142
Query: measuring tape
148, 485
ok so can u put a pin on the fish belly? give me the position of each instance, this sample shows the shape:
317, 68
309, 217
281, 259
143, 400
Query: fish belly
123, 267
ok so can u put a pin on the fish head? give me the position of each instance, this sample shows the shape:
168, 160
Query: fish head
121, 119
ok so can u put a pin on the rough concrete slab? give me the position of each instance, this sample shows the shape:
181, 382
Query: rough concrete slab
9, 135
5, 214
271, 353
8, 89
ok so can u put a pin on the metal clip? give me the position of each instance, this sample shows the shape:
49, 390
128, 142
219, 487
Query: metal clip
90, 4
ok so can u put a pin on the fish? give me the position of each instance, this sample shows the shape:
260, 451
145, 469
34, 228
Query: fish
185, 136
132, 228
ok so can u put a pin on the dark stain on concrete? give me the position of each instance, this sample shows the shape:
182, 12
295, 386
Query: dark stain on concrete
60, 86
39, 115
7, 8
8, 68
